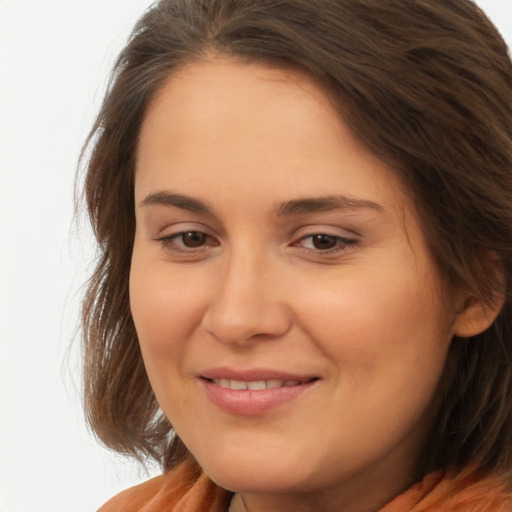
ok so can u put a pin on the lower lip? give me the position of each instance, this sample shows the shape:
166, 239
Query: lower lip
248, 402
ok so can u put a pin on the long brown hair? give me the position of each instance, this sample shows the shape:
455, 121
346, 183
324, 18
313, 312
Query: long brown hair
426, 85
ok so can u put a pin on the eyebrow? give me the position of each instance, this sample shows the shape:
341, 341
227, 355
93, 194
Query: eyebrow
327, 203
177, 200
292, 207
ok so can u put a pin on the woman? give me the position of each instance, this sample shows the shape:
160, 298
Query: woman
304, 211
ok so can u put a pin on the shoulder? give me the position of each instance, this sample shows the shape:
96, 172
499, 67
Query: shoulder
460, 492
135, 497
182, 489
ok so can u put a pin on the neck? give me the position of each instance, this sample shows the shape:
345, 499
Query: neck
237, 504
352, 498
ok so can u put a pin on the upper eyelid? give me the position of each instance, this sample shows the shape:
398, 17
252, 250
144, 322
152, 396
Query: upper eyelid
343, 239
330, 230
304, 231
182, 232
184, 227
339, 237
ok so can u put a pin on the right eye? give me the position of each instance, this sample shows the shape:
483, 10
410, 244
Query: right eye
186, 241
191, 239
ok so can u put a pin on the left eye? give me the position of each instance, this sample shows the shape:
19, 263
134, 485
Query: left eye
191, 239
324, 242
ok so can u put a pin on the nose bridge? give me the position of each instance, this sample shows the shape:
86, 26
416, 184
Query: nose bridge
247, 301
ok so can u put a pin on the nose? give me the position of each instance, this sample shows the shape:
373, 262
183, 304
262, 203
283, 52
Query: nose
248, 302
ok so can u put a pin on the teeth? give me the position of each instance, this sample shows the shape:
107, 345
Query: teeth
238, 384
272, 384
255, 384
225, 383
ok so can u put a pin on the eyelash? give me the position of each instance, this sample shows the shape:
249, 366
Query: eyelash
169, 242
341, 244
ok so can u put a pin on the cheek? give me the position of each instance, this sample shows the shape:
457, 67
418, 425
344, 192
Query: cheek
165, 314
387, 339
165, 309
386, 327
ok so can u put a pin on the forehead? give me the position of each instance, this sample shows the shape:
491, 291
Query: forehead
250, 118
252, 97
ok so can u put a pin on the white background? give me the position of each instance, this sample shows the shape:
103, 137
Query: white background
55, 56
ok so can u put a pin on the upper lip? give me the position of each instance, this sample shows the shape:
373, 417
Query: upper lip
254, 374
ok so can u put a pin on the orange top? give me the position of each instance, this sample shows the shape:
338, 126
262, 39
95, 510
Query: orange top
187, 489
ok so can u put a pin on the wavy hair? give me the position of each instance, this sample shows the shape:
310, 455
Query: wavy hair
426, 85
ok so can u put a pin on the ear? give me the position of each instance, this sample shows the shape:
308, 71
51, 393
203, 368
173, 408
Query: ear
475, 314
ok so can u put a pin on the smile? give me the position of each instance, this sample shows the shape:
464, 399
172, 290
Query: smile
253, 393
255, 385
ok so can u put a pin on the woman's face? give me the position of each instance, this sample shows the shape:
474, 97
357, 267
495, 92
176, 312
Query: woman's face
291, 319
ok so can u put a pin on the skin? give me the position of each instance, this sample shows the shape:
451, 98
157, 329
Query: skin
365, 311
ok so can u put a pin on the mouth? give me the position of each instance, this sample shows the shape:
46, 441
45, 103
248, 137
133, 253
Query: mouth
255, 385
254, 393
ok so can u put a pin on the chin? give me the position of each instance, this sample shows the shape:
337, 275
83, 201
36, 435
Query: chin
253, 474
255, 481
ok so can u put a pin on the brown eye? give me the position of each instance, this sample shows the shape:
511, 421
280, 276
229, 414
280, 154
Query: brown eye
324, 242
193, 239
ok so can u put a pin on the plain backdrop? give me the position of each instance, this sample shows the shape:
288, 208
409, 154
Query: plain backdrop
55, 56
